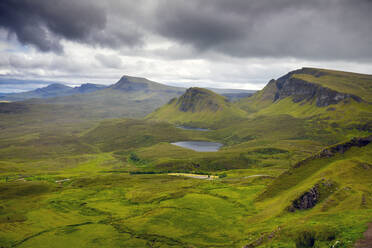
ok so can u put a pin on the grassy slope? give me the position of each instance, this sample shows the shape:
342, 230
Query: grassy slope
345, 82
202, 114
344, 212
96, 209
120, 209
343, 120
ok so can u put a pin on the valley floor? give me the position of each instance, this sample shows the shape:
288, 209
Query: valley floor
294, 169
93, 204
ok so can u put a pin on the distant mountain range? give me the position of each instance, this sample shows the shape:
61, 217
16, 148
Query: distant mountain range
52, 90
126, 83
129, 97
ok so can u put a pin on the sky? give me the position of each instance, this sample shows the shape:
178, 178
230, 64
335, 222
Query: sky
207, 43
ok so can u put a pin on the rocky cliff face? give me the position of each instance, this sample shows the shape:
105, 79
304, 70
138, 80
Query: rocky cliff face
308, 200
341, 148
313, 196
301, 90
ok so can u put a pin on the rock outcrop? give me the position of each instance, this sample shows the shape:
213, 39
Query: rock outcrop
301, 90
343, 147
338, 148
313, 196
307, 200
196, 99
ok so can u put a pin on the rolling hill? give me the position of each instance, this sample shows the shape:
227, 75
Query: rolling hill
197, 107
294, 169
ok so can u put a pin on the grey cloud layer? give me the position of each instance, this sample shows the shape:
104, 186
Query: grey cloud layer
332, 29
44, 23
311, 29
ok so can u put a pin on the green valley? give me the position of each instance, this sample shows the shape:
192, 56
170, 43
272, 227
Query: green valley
98, 169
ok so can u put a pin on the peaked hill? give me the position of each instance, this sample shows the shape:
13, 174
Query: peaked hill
197, 107
129, 97
131, 84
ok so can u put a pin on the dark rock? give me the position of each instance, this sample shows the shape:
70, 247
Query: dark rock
313, 196
341, 148
304, 91
307, 200
338, 149
301, 90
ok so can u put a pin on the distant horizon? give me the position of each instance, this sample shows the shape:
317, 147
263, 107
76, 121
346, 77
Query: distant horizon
40, 83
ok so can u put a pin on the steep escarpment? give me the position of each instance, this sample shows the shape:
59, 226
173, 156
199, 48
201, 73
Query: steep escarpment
312, 86
301, 90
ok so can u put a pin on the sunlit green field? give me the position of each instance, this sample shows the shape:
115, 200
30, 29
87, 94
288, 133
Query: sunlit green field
94, 201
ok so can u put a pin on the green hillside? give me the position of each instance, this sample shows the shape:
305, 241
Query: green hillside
326, 197
339, 100
294, 169
345, 82
198, 107
312, 83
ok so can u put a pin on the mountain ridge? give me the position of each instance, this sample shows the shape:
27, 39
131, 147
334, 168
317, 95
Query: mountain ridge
308, 86
52, 90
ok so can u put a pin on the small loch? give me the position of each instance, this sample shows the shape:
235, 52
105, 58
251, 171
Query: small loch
199, 146
193, 128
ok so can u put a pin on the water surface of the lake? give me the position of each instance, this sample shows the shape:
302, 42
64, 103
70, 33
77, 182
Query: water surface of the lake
193, 128
199, 146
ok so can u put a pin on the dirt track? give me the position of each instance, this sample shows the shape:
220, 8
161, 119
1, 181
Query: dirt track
366, 242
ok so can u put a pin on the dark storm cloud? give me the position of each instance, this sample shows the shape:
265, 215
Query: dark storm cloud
44, 23
307, 29
315, 29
